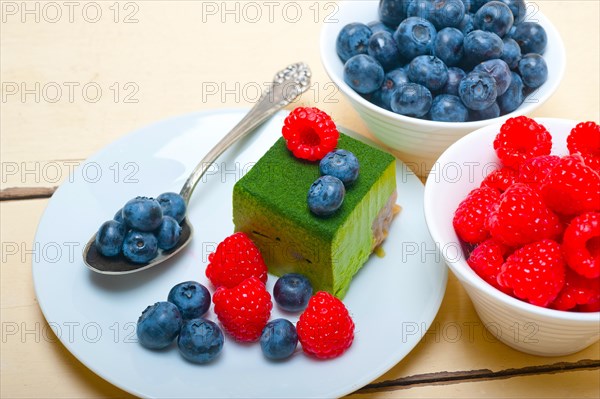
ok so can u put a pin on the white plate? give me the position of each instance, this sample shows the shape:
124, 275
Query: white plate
392, 300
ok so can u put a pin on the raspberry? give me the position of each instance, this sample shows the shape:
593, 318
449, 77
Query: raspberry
520, 139
572, 187
487, 259
535, 273
243, 310
581, 245
500, 179
325, 329
310, 133
585, 139
593, 304
470, 216
520, 217
534, 171
578, 291
235, 259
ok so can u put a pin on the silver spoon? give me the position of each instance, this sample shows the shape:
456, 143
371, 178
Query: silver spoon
287, 85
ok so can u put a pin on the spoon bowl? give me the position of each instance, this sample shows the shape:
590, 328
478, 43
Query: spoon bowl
287, 85
119, 264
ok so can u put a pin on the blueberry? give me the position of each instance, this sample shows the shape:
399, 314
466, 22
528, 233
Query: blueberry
415, 37
411, 99
383, 48
511, 53
428, 71
419, 8
494, 17
527, 91
478, 90
441, 13
533, 70
140, 246
513, 97
510, 33
392, 12
119, 216
447, 13
467, 25
481, 46
368, 96
168, 233
173, 205
499, 71
477, 4
352, 40
467, 4
518, 9
110, 237
158, 325
391, 81
200, 340
341, 164
326, 195
455, 75
531, 37
143, 214
378, 26
191, 298
448, 108
279, 339
490, 112
292, 292
363, 74
448, 46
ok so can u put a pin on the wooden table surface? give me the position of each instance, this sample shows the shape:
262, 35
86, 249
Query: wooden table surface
76, 76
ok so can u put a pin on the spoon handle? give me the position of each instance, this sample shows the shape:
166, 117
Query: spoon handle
287, 85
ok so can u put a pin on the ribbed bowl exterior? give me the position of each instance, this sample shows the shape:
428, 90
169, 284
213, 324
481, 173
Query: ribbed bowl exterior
532, 333
419, 146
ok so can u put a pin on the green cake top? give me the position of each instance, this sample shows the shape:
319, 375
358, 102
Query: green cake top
281, 181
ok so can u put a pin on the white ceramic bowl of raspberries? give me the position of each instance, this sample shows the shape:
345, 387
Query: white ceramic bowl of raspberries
411, 81
524, 240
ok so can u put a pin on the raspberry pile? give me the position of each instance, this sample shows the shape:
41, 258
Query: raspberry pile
534, 223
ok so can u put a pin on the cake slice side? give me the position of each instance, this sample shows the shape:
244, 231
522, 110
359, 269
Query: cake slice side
285, 245
357, 237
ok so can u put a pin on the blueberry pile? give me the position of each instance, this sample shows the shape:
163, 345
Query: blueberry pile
339, 170
200, 340
445, 60
143, 227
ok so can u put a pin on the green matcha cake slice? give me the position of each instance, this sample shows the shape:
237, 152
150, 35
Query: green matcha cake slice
270, 206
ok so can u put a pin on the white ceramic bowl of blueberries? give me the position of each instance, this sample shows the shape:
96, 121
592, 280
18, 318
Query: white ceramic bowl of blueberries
432, 72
